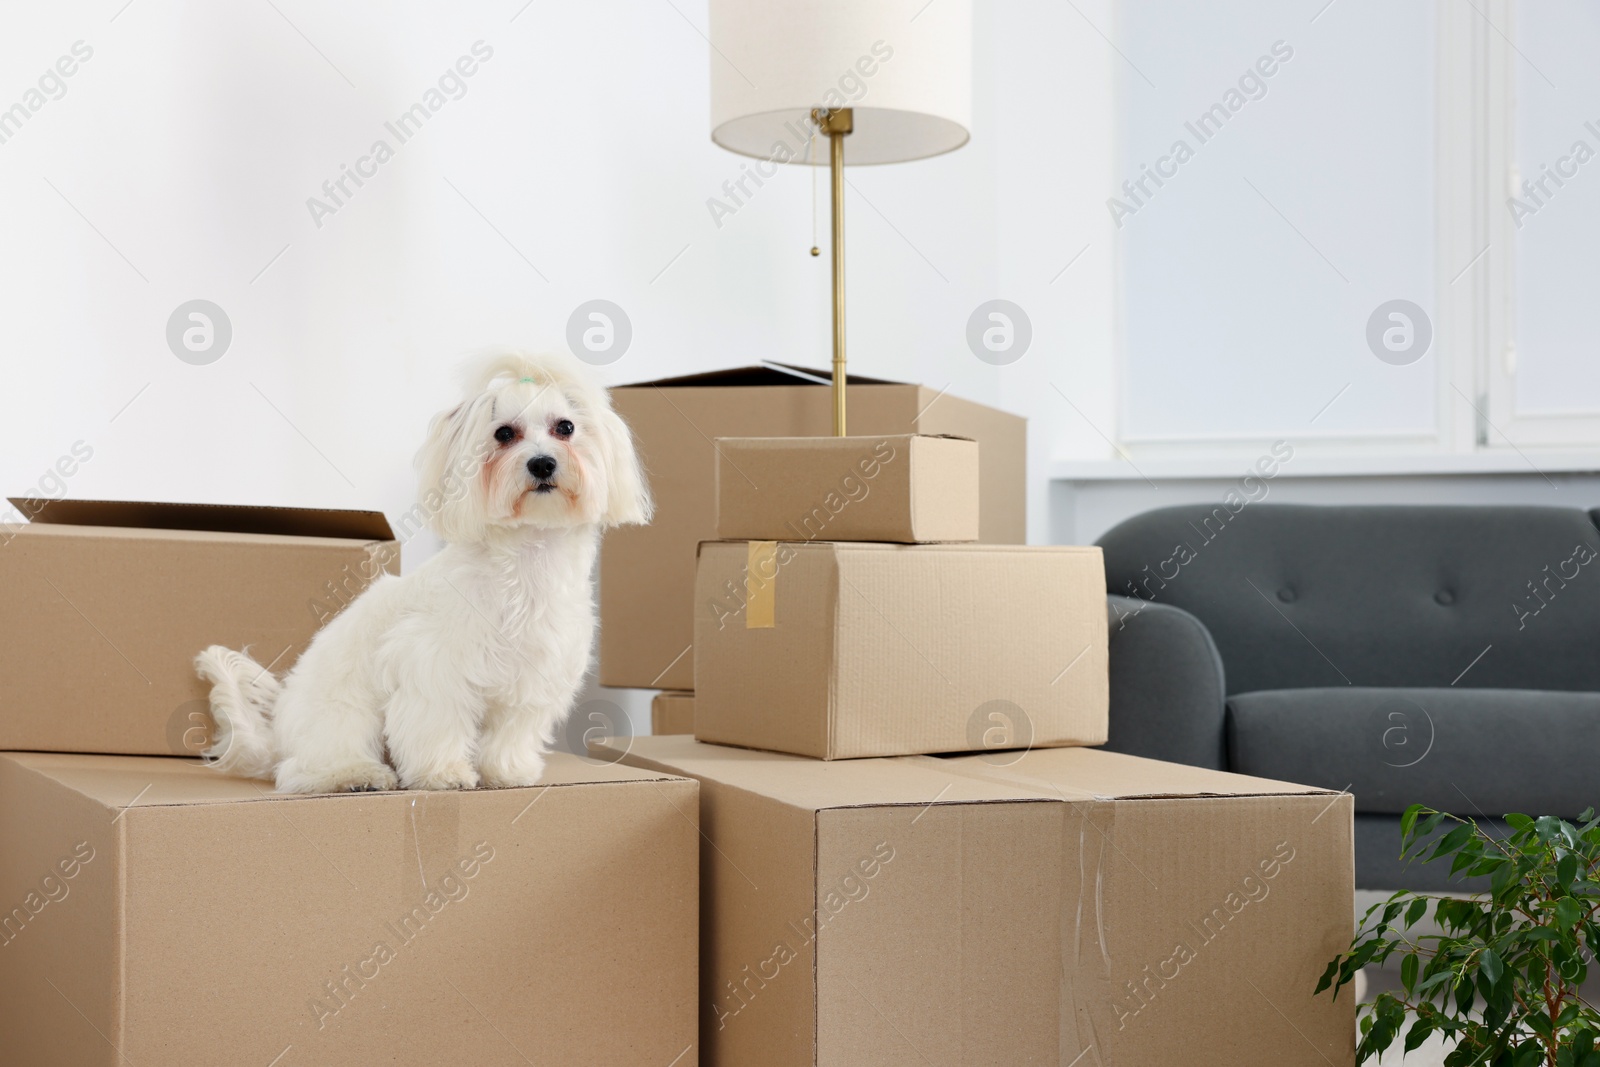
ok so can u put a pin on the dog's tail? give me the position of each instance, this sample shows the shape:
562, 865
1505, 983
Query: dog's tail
242, 696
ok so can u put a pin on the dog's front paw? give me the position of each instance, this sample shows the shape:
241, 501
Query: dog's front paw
509, 781
453, 776
501, 770
353, 778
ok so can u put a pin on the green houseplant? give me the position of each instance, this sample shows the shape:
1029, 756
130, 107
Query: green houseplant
1502, 982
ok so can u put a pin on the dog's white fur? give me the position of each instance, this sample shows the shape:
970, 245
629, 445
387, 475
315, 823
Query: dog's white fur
459, 674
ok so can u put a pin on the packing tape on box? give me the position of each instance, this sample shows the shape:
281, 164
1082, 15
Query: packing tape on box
761, 585
1086, 985
1088, 847
430, 841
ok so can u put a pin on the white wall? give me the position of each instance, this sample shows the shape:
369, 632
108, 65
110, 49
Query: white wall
578, 165
1054, 123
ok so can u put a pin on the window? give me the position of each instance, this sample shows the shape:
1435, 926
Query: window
1548, 385
1316, 235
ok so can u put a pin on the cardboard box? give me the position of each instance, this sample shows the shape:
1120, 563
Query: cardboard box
155, 912
107, 604
918, 911
647, 572
672, 713
845, 650
906, 487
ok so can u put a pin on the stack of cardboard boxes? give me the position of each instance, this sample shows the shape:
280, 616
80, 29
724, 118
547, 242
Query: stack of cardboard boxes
888, 844
887, 645
910, 855
647, 572
153, 911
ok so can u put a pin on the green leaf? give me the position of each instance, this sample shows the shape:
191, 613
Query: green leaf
1520, 822
1453, 840
1566, 870
1408, 821
1408, 973
1568, 913
1418, 1034
1434, 980
1417, 910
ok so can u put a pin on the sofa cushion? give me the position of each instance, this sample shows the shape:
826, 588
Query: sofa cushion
1492, 597
1474, 752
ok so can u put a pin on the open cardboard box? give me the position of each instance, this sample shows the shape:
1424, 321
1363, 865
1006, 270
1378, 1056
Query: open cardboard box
647, 572
153, 911
1067, 906
107, 603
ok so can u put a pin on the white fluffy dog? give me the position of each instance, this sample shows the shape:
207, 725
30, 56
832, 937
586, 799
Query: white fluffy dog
459, 674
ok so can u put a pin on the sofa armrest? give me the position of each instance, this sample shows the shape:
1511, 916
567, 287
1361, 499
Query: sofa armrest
1167, 692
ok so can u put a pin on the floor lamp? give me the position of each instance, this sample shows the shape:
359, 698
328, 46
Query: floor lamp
884, 81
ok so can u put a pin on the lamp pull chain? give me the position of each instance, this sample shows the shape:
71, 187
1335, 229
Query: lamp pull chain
810, 145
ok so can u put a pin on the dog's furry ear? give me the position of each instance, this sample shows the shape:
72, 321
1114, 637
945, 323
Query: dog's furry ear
447, 475
627, 495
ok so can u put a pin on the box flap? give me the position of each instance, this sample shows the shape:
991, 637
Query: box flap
1092, 774
759, 374
817, 785
213, 518
120, 782
783, 443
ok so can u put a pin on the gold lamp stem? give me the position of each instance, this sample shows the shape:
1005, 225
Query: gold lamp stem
837, 123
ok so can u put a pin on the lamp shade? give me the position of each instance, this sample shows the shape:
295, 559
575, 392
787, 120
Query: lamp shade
904, 67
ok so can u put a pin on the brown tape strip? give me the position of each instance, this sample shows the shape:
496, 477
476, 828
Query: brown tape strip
761, 585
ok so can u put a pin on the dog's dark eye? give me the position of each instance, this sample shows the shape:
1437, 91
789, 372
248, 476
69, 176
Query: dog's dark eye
563, 428
505, 435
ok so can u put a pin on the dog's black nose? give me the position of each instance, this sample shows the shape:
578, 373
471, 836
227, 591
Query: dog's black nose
542, 467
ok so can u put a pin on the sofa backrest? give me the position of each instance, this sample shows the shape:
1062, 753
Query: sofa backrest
1303, 596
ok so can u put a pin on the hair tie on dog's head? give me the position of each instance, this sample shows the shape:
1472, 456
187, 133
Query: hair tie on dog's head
530, 381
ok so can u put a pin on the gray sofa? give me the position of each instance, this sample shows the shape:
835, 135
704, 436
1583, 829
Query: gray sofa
1440, 655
